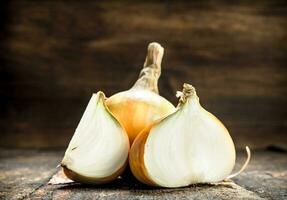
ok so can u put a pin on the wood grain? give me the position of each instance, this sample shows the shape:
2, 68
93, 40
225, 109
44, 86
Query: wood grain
54, 54
24, 174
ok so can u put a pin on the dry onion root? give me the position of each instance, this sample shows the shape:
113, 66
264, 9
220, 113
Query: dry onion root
141, 105
98, 151
189, 146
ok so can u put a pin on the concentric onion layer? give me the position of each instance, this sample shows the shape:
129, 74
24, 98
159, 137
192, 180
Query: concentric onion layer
189, 146
99, 148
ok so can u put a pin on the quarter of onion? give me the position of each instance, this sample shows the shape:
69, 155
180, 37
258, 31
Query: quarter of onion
98, 151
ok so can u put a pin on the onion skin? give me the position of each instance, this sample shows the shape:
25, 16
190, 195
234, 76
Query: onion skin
136, 157
136, 110
141, 105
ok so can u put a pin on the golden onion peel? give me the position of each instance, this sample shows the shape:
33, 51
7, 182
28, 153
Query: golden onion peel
141, 105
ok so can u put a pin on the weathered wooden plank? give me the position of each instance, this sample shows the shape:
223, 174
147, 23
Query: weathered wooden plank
55, 54
266, 175
24, 171
220, 191
28, 171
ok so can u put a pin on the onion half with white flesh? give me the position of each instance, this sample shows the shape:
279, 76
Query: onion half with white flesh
187, 147
98, 151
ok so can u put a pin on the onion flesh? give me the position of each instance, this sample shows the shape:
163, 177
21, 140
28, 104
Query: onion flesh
98, 151
189, 146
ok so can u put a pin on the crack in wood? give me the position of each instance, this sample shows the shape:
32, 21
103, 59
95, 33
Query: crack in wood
45, 182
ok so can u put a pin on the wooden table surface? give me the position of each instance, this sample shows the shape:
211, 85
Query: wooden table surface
24, 174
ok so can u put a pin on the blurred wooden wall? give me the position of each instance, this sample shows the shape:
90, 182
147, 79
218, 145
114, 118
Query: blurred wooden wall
55, 54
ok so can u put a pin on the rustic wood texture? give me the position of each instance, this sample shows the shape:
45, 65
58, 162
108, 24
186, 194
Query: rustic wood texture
56, 53
24, 174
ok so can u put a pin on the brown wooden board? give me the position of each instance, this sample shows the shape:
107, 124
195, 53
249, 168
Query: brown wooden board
24, 174
55, 54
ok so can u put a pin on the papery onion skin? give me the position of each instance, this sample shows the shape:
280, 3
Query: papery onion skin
141, 105
136, 109
136, 157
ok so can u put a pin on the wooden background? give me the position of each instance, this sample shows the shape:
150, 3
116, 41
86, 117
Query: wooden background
54, 54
